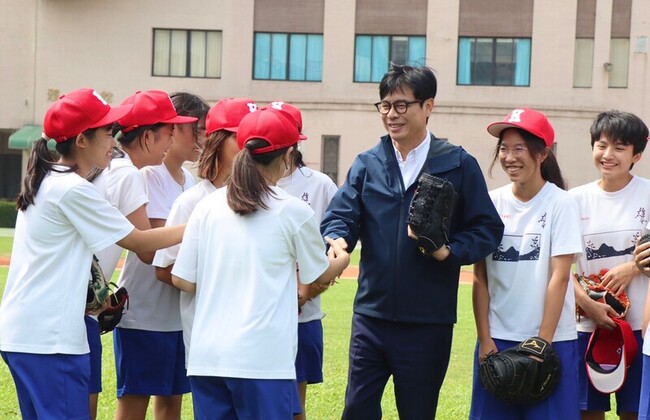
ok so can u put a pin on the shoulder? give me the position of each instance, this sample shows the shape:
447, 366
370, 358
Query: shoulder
288, 203
560, 197
317, 177
157, 171
196, 193
210, 201
501, 192
121, 168
641, 182
582, 189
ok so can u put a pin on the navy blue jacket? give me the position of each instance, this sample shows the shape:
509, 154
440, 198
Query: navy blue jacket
396, 282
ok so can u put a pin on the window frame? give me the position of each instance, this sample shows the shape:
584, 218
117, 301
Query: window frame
290, 67
187, 52
494, 62
390, 51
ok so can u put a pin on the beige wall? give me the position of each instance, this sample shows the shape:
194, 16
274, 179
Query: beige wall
60, 45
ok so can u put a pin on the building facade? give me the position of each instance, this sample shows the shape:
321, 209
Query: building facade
571, 59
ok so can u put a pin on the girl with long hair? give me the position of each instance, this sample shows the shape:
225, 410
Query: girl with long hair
522, 289
62, 221
239, 258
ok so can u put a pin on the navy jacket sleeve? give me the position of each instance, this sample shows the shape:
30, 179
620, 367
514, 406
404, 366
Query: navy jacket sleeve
343, 216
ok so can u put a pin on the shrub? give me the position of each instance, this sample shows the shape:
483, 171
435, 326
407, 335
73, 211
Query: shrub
8, 214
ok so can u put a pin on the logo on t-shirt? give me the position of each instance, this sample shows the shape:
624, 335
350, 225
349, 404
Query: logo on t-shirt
610, 244
515, 248
542, 220
305, 197
640, 214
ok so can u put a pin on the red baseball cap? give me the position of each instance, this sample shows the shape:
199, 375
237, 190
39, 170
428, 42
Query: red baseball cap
609, 354
77, 111
227, 113
289, 109
151, 107
527, 119
275, 126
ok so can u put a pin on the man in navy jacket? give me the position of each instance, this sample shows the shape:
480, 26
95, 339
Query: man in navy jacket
405, 306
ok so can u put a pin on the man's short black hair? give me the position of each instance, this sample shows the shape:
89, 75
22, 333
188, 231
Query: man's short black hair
421, 80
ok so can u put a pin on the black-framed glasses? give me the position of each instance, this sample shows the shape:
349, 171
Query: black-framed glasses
400, 106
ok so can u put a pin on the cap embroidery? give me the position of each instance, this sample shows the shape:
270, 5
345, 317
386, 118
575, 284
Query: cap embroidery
98, 96
515, 116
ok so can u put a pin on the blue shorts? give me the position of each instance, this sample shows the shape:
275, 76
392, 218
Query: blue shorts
50, 386
95, 343
627, 398
150, 362
309, 360
226, 398
561, 404
644, 401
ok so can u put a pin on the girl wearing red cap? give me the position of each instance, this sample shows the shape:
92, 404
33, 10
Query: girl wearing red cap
149, 353
215, 165
239, 257
62, 221
522, 289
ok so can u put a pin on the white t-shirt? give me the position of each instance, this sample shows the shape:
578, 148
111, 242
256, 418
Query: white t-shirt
519, 271
43, 305
180, 214
153, 305
123, 186
611, 223
245, 324
316, 189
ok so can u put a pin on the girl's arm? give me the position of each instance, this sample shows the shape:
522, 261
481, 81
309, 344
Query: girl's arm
481, 306
140, 220
339, 260
153, 239
555, 293
183, 285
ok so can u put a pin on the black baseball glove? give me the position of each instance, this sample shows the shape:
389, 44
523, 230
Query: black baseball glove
524, 374
430, 212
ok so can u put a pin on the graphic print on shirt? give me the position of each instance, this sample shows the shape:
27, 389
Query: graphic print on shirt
622, 243
305, 197
640, 214
518, 248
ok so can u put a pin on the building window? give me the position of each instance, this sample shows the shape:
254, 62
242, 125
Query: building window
330, 157
374, 53
283, 56
583, 62
619, 51
183, 53
494, 61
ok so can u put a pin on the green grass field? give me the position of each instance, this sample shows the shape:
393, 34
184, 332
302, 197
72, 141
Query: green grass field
325, 401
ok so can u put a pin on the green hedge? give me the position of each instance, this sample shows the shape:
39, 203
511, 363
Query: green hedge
8, 214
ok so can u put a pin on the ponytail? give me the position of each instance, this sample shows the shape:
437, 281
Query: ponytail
39, 164
247, 187
551, 170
